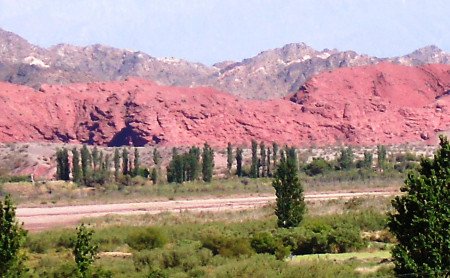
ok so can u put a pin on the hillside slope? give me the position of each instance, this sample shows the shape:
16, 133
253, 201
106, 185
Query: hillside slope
270, 74
385, 103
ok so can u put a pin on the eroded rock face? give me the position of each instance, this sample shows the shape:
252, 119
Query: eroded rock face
368, 105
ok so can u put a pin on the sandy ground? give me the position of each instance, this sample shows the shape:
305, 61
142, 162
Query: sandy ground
44, 218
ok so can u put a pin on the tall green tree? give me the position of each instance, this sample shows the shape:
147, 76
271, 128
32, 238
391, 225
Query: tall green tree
192, 164
368, 160
85, 163
381, 157
421, 219
269, 171
207, 163
275, 155
290, 204
95, 158
12, 238
254, 165
263, 159
137, 162
116, 164
239, 162
62, 165
156, 157
84, 250
125, 162
345, 159
229, 157
176, 168
76, 170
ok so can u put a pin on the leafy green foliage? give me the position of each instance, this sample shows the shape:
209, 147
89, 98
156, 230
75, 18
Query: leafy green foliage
116, 164
184, 167
76, 170
85, 163
254, 166
62, 165
125, 162
345, 159
421, 219
137, 163
207, 163
289, 191
381, 157
84, 250
147, 239
239, 162
263, 157
12, 237
318, 166
229, 157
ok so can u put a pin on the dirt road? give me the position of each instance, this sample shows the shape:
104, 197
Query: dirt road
43, 218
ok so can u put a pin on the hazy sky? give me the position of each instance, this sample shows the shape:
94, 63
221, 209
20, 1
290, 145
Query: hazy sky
210, 31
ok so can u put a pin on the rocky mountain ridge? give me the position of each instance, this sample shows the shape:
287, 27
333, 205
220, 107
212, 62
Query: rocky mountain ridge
377, 104
271, 74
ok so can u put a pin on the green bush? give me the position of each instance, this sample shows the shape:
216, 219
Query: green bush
148, 238
224, 244
318, 166
265, 242
322, 237
184, 256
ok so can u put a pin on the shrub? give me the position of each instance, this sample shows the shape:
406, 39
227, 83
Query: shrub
317, 166
148, 238
225, 245
265, 242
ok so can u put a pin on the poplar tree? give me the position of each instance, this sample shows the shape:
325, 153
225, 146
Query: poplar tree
116, 164
254, 166
421, 219
76, 170
156, 157
85, 163
137, 163
269, 172
207, 163
84, 250
12, 238
125, 162
275, 154
95, 158
192, 163
62, 165
290, 204
263, 159
381, 157
239, 162
345, 159
229, 157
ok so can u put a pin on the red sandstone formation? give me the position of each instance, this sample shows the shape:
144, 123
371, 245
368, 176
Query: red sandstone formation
369, 105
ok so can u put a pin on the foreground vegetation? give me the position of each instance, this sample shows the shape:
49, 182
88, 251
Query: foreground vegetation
234, 244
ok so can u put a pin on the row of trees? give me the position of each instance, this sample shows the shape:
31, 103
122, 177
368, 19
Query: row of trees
262, 165
187, 166
88, 167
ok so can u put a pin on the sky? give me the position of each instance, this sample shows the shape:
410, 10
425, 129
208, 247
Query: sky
210, 31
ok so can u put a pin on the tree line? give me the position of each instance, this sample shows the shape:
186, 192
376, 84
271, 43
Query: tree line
95, 167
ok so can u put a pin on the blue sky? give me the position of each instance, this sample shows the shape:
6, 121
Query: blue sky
210, 31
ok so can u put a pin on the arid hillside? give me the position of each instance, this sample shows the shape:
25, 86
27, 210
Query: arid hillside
270, 74
369, 105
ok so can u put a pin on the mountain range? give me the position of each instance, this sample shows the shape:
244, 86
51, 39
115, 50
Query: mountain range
270, 74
